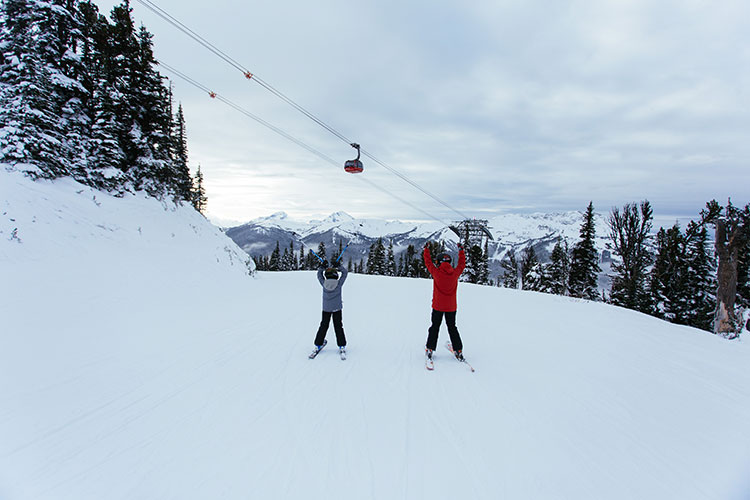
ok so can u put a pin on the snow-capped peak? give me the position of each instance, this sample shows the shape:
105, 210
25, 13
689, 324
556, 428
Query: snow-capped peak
277, 216
338, 217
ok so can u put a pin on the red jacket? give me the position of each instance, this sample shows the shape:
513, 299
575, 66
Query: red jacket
444, 281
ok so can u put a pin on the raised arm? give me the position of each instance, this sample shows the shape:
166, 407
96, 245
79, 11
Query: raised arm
461, 259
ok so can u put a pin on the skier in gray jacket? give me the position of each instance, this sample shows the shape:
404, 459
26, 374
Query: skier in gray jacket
332, 304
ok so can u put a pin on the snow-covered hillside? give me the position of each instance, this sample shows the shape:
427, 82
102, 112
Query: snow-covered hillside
139, 361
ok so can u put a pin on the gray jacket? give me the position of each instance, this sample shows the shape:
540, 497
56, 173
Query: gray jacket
332, 290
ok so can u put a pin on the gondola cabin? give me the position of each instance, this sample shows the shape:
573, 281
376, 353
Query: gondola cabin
354, 166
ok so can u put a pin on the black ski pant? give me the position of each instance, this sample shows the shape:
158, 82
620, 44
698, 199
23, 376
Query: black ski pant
338, 327
432, 332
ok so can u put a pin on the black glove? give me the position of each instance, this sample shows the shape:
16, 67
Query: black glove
460, 245
324, 264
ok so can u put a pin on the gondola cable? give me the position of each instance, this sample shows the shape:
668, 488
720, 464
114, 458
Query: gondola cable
249, 75
277, 130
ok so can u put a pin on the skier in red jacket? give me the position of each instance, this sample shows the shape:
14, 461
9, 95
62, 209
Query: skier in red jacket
444, 285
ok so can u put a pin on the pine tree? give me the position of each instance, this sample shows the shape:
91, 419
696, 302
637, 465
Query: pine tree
82, 98
311, 262
183, 185
390, 267
106, 160
669, 285
301, 261
473, 272
34, 88
199, 198
557, 272
322, 251
700, 271
584, 265
285, 262
630, 231
411, 262
510, 268
743, 275
532, 277
377, 260
293, 264
274, 263
484, 266
682, 284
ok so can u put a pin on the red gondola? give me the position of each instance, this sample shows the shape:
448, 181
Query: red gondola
354, 166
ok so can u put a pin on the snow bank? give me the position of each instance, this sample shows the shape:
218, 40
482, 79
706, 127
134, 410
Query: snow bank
64, 223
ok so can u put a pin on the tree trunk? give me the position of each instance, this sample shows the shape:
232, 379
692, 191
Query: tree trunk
725, 319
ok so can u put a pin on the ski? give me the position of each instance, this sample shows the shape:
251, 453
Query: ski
428, 363
449, 346
317, 350
342, 353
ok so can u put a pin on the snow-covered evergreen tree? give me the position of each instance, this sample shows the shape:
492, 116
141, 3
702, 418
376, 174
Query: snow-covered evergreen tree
474, 272
293, 264
322, 251
311, 262
377, 260
682, 284
484, 267
532, 274
701, 278
557, 272
285, 261
301, 260
584, 263
390, 261
183, 185
509, 265
630, 230
81, 97
40, 89
669, 286
274, 263
199, 198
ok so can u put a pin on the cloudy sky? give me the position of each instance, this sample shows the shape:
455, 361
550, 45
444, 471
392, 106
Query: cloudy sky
492, 106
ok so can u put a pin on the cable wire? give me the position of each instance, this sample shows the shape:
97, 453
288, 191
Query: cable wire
246, 72
290, 137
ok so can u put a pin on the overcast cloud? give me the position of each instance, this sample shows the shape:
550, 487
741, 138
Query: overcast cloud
492, 106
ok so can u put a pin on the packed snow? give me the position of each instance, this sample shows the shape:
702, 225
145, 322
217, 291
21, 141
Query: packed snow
141, 360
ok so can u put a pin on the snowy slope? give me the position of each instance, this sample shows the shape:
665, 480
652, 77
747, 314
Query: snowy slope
140, 361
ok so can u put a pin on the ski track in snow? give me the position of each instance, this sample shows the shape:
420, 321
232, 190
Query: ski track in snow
139, 361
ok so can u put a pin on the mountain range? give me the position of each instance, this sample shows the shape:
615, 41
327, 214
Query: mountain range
510, 232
